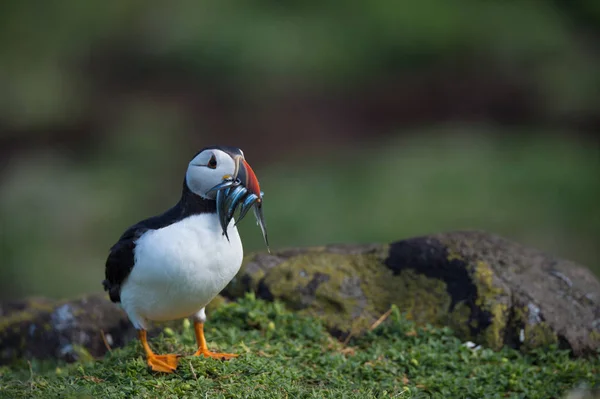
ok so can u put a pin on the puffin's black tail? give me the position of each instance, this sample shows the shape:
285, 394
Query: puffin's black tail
114, 290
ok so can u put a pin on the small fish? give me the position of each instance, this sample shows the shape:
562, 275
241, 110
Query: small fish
221, 196
232, 201
230, 194
224, 184
260, 220
246, 205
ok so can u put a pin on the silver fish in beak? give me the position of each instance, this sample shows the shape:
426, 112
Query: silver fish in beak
242, 189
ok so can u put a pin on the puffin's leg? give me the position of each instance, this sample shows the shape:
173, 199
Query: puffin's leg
199, 319
162, 363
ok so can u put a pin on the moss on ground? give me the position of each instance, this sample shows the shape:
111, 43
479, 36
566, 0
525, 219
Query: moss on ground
288, 355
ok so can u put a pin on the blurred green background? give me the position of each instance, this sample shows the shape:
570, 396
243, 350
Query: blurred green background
364, 121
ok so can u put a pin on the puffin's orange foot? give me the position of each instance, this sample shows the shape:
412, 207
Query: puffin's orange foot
162, 363
203, 348
215, 355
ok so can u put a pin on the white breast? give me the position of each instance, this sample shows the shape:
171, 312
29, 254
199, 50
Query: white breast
180, 268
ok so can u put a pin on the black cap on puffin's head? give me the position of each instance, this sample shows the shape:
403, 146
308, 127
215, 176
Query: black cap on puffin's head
211, 165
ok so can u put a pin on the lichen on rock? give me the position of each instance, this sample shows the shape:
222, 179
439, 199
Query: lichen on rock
325, 284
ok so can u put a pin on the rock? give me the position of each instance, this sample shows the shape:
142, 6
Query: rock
67, 330
488, 289
491, 291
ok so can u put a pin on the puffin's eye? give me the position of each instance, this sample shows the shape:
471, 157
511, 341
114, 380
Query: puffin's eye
213, 162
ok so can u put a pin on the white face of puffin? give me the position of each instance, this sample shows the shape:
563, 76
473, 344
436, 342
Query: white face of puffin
207, 169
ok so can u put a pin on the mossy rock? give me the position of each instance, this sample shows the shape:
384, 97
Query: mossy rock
69, 330
489, 290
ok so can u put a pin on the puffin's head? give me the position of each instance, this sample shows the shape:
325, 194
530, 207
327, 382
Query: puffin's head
222, 174
213, 165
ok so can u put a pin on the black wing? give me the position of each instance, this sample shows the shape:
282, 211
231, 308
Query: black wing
120, 261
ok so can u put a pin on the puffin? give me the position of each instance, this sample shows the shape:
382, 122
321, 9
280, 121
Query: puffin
170, 266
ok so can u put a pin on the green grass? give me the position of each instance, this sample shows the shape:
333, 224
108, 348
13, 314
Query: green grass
284, 355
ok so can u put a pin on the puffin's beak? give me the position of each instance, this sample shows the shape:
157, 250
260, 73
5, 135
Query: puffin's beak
247, 177
244, 190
